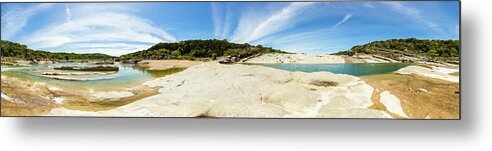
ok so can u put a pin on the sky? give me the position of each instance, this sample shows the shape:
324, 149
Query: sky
300, 27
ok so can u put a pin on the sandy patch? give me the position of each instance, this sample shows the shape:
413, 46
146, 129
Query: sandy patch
350, 59
441, 101
363, 58
167, 64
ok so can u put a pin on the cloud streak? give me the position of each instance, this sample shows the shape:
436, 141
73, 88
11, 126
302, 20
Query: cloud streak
413, 13
15, 19
222, 18
369, 5
345, 19
252, 26
217, 18
67, 12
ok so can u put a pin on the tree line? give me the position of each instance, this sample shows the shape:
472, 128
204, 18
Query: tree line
429, 48
191, 49
20, 51
213, 48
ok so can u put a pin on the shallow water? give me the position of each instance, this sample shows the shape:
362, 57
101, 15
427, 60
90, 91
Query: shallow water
126, 77
355, 69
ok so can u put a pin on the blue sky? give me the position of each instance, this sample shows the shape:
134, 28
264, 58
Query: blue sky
301, 27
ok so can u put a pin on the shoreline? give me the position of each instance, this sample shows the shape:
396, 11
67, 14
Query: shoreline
274, 58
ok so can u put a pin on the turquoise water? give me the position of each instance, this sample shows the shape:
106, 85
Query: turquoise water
355, 69
127, 76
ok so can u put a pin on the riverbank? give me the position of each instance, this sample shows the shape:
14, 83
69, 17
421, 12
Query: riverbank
277, 58
272, 58
363, 58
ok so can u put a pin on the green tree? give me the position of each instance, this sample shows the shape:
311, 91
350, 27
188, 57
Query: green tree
214, 56
433, 53
176, 53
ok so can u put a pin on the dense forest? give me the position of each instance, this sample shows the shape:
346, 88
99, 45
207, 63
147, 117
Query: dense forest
191, 49
432, 49
16, 50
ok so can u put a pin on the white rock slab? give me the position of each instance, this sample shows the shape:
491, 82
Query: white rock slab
438, 73
392, 103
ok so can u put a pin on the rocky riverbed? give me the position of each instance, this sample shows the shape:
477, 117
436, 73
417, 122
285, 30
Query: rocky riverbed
216, 90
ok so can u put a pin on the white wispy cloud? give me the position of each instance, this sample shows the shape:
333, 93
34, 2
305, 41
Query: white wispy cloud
307, 41
110, 25
222, 18
15, 19
217, 18
304, 36
67, 12
457, 30
413, 13
252, 26
227, 23
292, 37
369, 5
345, 19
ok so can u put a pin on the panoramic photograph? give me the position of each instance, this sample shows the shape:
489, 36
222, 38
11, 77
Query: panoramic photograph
330, 60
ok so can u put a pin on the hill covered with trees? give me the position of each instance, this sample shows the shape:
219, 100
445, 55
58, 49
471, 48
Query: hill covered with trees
444, 50
191, 49
20, 51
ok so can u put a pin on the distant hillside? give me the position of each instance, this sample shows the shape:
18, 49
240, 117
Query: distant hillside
20, 51
191, 49
445, 50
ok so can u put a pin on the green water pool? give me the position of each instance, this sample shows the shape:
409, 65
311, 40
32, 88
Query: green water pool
355, 69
